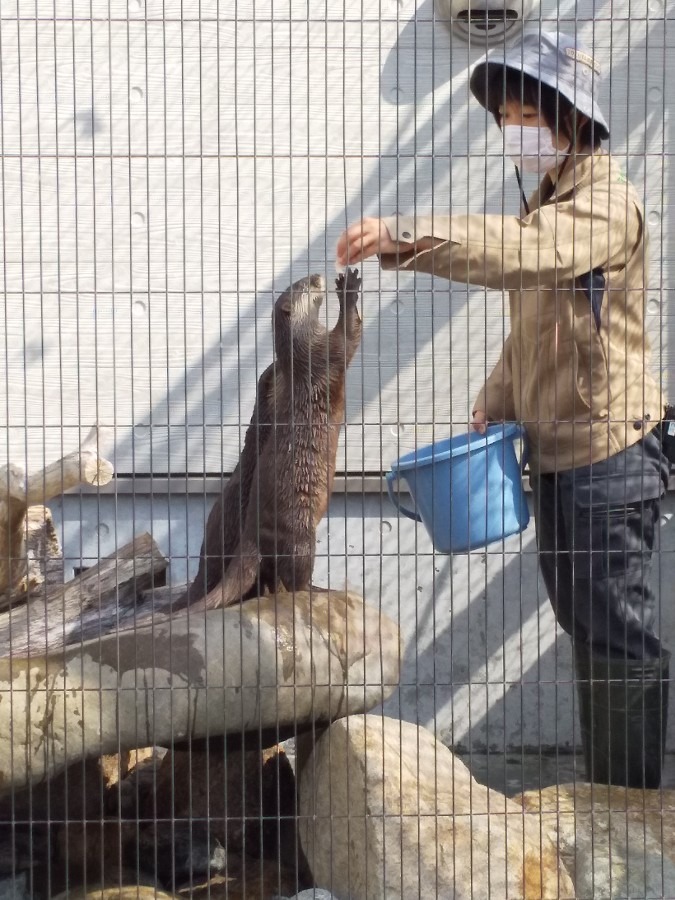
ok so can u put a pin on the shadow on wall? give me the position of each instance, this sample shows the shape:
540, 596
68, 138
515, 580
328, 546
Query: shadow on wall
381, 196
486, 666
379, 193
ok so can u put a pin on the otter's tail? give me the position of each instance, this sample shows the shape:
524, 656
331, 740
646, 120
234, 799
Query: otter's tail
240, 576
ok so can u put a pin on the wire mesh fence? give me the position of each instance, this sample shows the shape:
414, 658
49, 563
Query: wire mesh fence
275, 616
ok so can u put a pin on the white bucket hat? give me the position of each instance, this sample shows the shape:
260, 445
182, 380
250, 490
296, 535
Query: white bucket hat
557, 60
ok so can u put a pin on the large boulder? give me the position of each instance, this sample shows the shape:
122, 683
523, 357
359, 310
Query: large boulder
386, 810
615, 841
276, 664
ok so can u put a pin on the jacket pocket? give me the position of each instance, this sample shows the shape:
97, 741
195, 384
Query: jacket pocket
591, 371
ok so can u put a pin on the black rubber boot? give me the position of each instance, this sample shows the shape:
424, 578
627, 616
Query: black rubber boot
623, 708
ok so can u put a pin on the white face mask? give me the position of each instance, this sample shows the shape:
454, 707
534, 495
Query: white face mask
532, 148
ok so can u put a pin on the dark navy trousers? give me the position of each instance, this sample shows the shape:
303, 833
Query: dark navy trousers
596, 529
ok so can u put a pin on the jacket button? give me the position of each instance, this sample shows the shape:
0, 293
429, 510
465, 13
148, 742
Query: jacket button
637, 425
406, 235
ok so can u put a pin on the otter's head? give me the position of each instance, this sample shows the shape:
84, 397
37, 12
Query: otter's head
296, 312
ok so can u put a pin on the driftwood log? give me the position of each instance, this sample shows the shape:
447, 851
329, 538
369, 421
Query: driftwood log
19, 492
92, 604
277, 664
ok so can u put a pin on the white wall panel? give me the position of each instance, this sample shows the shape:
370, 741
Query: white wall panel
168, 167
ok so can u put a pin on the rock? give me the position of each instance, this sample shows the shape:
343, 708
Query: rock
21, 850
114, 768
248, 798
76, 793
99, 850
246, 879
242, 794
311, 894
184, 852
117, 767
128, 892
130, 797
278, 663
144, 756
388, 811
15, 888
168, 854
615, 841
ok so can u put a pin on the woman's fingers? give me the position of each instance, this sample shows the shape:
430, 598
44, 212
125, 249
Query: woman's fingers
364, 239
360, 248
479, 421
357, 242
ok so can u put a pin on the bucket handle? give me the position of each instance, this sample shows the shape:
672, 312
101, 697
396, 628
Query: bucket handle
392, 478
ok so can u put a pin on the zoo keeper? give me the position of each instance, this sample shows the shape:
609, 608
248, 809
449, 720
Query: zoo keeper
574, 372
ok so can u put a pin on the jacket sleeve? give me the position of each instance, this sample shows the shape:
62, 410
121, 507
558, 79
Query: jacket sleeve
553, 244
495, 398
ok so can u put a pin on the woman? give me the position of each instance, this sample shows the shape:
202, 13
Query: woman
574, 372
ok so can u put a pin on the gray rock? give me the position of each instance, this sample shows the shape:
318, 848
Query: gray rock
386, 810
15, 888
185, 852
311, 894
616, 842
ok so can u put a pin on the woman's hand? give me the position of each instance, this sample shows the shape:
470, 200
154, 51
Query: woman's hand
479, 421
366, 238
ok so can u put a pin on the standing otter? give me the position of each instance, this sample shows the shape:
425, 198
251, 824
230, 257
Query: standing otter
227, 517
293, 479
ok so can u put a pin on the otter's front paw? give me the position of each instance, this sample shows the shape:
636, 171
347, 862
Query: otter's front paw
348, 285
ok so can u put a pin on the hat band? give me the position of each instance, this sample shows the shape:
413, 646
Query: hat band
584, 58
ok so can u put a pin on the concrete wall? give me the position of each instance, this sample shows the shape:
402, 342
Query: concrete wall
169, 167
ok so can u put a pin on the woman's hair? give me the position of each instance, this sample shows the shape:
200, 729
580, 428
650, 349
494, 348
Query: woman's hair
558, 112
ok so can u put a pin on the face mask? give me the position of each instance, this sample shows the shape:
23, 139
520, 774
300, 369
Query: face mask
532, 148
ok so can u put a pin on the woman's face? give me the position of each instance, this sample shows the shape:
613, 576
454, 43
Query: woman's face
515, 113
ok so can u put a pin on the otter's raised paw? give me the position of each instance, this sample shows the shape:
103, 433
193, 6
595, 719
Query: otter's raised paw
348, 282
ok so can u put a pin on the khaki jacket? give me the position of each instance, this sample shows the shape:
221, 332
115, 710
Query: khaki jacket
583, 393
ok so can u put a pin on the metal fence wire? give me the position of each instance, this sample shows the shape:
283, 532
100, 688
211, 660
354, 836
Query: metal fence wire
336, 541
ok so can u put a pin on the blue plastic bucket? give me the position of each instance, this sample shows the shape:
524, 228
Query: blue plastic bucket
467, 490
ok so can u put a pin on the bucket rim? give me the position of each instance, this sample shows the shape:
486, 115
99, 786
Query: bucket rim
498, 431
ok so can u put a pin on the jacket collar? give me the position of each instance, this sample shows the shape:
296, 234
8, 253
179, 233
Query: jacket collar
579, 171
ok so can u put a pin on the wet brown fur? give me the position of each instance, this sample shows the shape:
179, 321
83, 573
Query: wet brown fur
228, 515
292, 482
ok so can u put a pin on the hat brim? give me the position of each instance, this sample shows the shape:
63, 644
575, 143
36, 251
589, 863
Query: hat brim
483, 71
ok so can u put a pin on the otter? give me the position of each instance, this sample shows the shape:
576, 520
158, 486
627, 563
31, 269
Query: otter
293, 478
227, 517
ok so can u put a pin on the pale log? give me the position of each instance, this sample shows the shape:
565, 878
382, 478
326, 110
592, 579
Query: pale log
89, 605
19, 492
